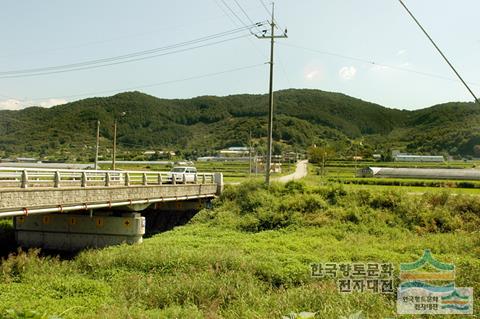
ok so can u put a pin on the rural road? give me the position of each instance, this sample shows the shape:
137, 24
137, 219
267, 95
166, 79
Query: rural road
300, 172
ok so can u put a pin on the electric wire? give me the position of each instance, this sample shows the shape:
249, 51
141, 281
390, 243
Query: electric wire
154, 84
342, 56
233, 13
244, 12
439, 50
236, 24
124, 61
104, 41
128, 57
270, 14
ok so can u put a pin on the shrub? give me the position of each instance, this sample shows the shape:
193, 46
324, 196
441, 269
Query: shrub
386, 200
466, 185
307, 203
295, 187
465, 204
436, 199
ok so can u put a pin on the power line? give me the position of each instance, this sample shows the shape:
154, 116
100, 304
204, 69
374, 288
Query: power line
233, 12
93, 43
241, 22
284, 70
439, 51
265, 7
126, 61
244, 12
342, 56
130, 55
157, 84
136, 56
269, 14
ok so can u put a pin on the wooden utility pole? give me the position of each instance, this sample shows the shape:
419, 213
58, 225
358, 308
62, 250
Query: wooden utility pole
115, 138
250, 153
97, 145
272, 38
114, 143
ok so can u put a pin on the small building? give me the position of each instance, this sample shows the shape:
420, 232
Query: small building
420, 173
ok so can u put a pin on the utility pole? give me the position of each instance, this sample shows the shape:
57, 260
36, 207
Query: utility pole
250, 153
98, 145
114, 153
272, 38
114, 143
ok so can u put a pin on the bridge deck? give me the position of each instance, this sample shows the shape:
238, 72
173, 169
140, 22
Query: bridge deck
41, 191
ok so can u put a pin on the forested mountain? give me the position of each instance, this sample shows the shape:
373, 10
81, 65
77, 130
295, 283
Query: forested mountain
204, 124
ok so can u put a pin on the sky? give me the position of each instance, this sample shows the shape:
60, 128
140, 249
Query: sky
368, 49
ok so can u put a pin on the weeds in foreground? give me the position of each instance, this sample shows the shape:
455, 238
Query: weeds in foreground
250, 256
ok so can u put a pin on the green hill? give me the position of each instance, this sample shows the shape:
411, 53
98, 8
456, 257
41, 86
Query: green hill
200, 125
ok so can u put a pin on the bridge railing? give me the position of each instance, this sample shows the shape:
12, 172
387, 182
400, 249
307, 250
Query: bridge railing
50, 178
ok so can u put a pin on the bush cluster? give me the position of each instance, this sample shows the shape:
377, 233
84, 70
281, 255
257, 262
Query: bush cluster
252, 207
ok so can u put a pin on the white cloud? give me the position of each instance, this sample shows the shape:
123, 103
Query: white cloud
11, 104
312, 74
347, 72
14, 104
52, 102
401, 52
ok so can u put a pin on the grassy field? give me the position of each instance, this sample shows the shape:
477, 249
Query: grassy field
250, 256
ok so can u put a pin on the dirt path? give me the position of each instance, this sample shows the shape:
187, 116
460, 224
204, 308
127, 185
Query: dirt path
300, 172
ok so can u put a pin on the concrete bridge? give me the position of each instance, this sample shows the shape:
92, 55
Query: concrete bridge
73, 209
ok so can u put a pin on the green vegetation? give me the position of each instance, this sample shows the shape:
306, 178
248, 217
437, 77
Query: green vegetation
202, 125
250, 256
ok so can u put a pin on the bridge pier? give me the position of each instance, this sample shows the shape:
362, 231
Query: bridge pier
72, 232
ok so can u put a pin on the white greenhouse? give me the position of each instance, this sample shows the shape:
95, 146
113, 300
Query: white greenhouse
422, 173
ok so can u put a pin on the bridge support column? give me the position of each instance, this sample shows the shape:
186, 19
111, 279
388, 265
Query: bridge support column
72, 232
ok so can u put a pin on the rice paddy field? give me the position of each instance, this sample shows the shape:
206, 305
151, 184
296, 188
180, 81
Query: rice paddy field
344, 172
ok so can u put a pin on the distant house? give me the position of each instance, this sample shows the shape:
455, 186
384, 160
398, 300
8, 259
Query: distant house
418, 158
420, 173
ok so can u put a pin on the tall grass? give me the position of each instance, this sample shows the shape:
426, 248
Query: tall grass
250, 256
